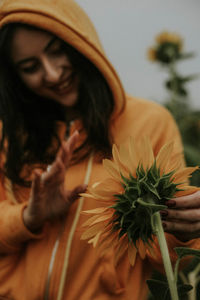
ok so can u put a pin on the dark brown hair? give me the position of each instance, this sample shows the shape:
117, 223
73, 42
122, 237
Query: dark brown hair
29, 122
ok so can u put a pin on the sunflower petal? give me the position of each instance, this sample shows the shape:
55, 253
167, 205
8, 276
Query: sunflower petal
141, 248
97, 210
86, 195
175, 163
125, 159
89, 221
134, 157
95, 239
164, 156
151, 250
188, 189
182, 175
117, 157
112, 169
109, 242
132, 251
92, 231
101, 218
146, 154
122, 247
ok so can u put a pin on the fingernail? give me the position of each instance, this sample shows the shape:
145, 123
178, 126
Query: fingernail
171, 203
163, 213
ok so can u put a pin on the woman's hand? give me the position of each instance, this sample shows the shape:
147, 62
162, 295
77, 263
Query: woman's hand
49, 199
182, 219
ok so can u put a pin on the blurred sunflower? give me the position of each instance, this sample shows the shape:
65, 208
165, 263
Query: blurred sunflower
139, 186
170, 37
168, 48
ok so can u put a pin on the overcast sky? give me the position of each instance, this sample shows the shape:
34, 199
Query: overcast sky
128, 27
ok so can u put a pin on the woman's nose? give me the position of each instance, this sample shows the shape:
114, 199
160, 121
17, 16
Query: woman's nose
52, 71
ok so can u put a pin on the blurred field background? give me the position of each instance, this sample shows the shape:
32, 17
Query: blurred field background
128, 27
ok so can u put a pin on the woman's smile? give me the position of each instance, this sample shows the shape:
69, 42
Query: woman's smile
64, 87
42, 64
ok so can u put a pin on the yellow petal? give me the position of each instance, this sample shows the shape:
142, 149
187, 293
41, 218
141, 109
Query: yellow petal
146, 153
163, 156
125, 160
86, 195
102, 195
123, 246
99, 194
182, 175
132, 251
151, 250
134, 156
175, 162
133, 152
108, 242
89, 221
112, 169
92, 192
107, 189
102, 218
141, 248
188, 189
97, 210
96, 184
95, 239
92, 231
118, 160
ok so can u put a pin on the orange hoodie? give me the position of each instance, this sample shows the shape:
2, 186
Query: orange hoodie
57, 265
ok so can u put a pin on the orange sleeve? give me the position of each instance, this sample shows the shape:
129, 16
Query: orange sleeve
13, 233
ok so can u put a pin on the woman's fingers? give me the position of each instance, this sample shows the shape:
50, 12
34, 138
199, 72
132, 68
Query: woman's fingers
36, 187
71, 196
183, 217
55, 174
49, 199
184, 231
189, 201
187, 215
67, 148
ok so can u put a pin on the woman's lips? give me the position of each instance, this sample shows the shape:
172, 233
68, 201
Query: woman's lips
63, 87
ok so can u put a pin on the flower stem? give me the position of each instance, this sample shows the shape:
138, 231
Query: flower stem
165, 256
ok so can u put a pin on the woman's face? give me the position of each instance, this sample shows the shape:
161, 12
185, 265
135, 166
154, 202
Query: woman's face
43, 65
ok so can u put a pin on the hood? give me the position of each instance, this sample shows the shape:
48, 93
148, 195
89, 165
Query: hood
67, 20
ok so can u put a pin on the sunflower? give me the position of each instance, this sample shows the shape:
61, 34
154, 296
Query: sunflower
151, 54
167, 49
170, 37
138, 186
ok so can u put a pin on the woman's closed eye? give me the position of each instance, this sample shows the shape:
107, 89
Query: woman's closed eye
30, 69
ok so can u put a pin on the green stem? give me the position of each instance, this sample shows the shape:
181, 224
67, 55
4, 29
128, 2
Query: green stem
165, 256
176, 269
174, 93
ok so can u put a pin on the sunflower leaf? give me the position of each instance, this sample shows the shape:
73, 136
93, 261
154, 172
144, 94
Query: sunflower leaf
160, 290
183, 251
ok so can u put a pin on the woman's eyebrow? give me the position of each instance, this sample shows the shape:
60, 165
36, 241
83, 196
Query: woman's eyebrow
50, 43
47, 47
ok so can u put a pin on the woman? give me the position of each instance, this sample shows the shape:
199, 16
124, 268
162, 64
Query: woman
62, 106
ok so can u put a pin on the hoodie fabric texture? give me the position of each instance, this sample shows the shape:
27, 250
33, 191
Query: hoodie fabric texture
32, 265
